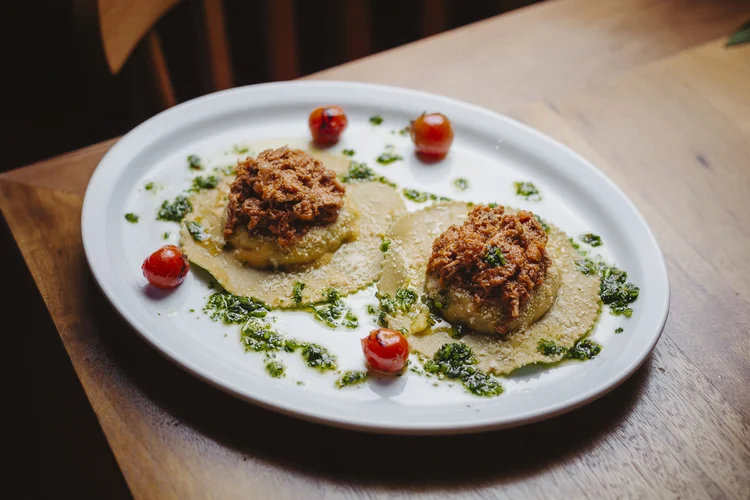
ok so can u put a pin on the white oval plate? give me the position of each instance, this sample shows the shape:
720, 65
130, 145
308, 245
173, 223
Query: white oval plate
490, 150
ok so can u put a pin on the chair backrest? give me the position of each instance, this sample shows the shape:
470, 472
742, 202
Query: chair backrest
113, 29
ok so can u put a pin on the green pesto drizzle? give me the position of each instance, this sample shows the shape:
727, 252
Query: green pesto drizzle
348, 152
457, 361
194, 162
351, 377
422, 196
208, 182
385, 245
591, 239
275, 368
240, 150
527, 190
615, 290
376, 120
583, 349
494, 256
389, 156
334, 312
175, 211
297, 290
132, 218
461, 184
195, 230
360, 172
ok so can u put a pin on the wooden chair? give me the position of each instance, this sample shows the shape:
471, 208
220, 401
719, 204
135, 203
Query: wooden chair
112, 30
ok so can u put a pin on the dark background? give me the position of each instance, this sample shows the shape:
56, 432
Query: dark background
57, 103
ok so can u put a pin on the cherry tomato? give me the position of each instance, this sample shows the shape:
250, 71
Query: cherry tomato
432, 135
386, 351
166, 268
327, 124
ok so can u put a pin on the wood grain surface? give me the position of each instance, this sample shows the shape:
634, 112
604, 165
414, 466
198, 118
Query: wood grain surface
665, 112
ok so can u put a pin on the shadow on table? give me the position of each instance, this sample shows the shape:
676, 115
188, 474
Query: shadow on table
341, 455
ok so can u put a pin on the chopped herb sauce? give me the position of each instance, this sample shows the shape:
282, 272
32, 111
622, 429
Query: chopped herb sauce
619, 330
275, 368
422, 196
334, 311
461, 184
132, 218
528, 190
240, 150
149, 186
351, 377
234, 309
405, 130
195, 230
583, 349
389, 156
176, 210
615, 290
494, 256
194, 162
348, 152
318, 357
591, 239
385, 245
376, 119
457, 361
360, 172
297, 292
166, 236
208, 182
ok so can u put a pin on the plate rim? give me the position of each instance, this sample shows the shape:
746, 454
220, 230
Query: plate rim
470, 425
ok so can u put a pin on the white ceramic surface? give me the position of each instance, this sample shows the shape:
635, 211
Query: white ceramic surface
490, 150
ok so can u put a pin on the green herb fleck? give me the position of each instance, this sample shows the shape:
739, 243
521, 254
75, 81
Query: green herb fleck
297, 292
166, 236
360, 172
461, 184
457, 361
240, 150
493, 205
195, 230
389, 156
543, 223
351, 377
494, 256
275, 368
549, 348
194, 162
176, 210
376, 119
132, 218
528, 190
149, 186
208, 182
405, 130
591, 239
422, 196
348, 152
384, 245
619, 330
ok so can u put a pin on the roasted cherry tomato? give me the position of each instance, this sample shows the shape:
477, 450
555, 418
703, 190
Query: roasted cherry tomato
432, 135
166, 268
327, 124
386, 351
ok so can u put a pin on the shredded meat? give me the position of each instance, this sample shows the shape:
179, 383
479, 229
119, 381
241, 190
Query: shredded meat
467, 256
283, 192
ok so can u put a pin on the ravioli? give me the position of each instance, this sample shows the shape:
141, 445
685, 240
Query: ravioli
572, 315
352, 266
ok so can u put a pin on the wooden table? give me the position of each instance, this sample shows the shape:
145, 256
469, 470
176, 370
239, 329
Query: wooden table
647, 91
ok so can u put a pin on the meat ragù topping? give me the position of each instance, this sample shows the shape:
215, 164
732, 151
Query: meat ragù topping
283, 192
493, 254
